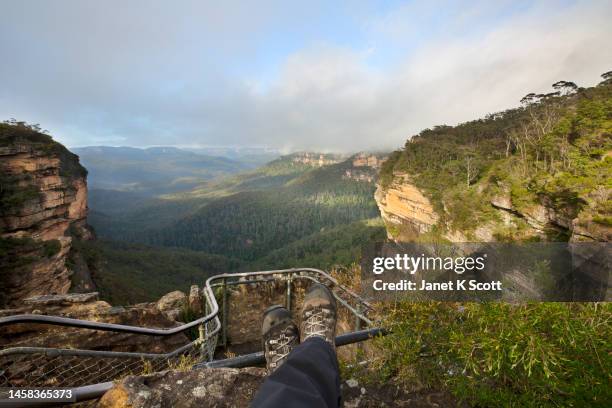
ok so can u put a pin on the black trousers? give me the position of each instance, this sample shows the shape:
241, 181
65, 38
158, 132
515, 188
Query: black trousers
310, 377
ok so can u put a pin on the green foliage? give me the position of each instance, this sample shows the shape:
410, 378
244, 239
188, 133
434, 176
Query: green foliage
120, 214
556, 151
129, 273
51, 247
337, 246
496, 354
393, 229
385, 175
13, 194
466, 209
603, 220
250, 225
13, 133
187, 315
284, 214
10, 246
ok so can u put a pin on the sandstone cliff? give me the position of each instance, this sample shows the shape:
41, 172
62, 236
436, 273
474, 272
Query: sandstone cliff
405, 209
408, 212
507, 177
43, 207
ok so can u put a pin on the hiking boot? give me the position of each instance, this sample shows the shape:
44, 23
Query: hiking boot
280, 335
319, 314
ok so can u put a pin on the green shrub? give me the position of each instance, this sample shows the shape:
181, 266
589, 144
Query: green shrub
393, 229
603, 220
187, 315
496, 354
13, 195
51, 247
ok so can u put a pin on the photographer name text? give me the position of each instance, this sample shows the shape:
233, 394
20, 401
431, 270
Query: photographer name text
460, 284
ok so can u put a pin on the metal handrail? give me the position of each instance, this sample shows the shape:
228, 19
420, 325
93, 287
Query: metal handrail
210, 299
93, 391
54, 352
258, 358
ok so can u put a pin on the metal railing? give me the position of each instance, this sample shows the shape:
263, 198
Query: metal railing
90, 372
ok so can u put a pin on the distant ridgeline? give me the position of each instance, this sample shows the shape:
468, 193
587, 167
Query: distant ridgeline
153, 171
538, 172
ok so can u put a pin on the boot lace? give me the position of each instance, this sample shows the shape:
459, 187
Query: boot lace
280, 347
316, 323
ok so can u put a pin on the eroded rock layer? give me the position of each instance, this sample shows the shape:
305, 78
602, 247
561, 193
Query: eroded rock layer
43, 207
403, 205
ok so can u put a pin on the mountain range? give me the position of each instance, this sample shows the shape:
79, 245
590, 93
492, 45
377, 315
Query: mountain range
157, 170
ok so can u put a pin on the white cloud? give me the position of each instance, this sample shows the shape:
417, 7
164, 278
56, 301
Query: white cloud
154, 83
329, 98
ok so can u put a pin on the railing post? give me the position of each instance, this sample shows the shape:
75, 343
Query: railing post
358, 323
203, 333
202, 336
289, 279
224, 316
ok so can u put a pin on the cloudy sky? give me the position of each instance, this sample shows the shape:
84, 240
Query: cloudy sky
333, 76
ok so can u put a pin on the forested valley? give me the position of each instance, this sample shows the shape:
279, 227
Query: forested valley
283, 214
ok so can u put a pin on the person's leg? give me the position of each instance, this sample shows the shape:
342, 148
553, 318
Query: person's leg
305, 375
308, 378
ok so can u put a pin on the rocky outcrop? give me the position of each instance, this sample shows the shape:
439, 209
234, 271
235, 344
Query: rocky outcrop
316, 159
43, 203
404, 206
195, 301
15, 370
232, 387
543, 218
220, 387
407, 212
172, 303
368, 160
87, 306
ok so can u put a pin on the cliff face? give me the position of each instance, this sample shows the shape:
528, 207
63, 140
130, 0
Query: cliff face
404, 208
408, 212
43, 207
539, 172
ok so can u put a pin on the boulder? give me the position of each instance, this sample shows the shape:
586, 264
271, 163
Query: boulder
536, 216
502, 201
171, 301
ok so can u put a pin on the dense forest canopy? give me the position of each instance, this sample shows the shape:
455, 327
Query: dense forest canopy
284, 214
249, 224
